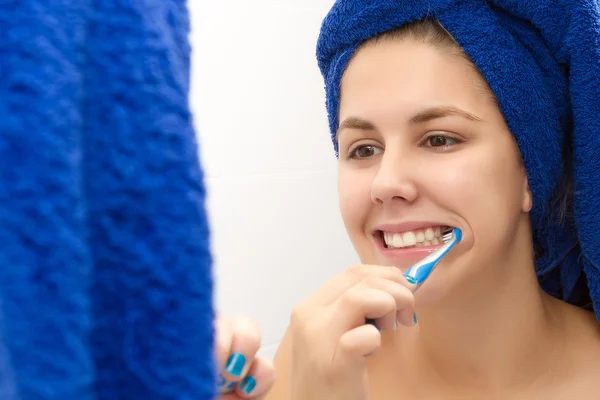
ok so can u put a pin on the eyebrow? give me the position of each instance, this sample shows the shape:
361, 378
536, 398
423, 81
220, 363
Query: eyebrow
440, 112
429, 114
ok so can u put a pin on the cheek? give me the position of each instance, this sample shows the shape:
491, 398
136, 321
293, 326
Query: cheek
484, 186
354, 192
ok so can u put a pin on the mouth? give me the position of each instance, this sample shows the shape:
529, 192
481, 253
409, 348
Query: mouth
430, 236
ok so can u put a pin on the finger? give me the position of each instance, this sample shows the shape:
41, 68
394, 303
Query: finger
353, 348
405, 303
354, 275
366, 303
403, 297
381, 300
353, 308
258, 381
224, 386
224, 336
245, 343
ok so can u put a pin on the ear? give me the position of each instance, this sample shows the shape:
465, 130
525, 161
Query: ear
527, 203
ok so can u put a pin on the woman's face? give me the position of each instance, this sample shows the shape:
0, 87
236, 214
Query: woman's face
422, 147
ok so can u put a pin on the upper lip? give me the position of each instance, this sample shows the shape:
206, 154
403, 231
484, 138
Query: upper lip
406, 226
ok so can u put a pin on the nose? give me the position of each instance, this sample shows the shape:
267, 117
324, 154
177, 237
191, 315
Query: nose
394, 181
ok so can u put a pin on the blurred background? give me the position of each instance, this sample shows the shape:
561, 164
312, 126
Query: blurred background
259, 107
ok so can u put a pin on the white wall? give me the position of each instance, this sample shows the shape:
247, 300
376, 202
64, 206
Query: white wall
259, 107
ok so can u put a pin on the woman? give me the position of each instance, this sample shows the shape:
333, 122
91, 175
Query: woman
424, 144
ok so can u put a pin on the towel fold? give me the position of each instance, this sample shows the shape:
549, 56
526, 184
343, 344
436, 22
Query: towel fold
542, 60
105, 281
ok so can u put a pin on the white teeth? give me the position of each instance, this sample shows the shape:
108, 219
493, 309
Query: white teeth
423, 237
409, 239
429, 234
398, 242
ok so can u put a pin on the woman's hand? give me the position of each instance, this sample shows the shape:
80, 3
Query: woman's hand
329, 336
243, 374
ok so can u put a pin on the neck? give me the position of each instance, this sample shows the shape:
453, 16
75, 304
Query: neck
499, 332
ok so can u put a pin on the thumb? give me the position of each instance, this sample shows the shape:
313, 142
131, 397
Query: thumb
353, 349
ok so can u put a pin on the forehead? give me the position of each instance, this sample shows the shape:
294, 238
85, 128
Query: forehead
405, 76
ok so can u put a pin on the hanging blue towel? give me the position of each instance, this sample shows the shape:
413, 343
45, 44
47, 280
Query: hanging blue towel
542, 60
105, 280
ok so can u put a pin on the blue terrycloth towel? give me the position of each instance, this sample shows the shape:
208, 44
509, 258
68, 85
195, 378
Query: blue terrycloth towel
105, 285
542, 60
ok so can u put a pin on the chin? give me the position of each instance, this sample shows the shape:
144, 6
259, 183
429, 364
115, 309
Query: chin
435, 290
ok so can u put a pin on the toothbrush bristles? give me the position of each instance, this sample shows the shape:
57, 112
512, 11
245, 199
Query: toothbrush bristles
447, 237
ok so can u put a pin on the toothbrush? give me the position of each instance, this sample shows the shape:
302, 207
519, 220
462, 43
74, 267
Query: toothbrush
419, 272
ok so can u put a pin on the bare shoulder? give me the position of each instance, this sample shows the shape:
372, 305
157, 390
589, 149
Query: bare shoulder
583, 332
583, 326
584, 364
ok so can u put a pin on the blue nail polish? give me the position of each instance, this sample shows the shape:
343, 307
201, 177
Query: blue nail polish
235, 364
224, 385
248, 384
415, 318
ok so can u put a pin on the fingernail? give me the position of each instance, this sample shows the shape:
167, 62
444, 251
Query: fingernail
415, 318
410, 279
235, 364
224, 385
396, 321
248, 384
372, 322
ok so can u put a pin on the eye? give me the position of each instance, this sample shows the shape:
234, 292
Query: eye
364, 151
439, 141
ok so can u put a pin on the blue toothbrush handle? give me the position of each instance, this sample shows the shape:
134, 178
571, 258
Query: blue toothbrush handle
418, 273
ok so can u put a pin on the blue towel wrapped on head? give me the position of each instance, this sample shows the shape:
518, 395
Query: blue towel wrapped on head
105, 281
541, 58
